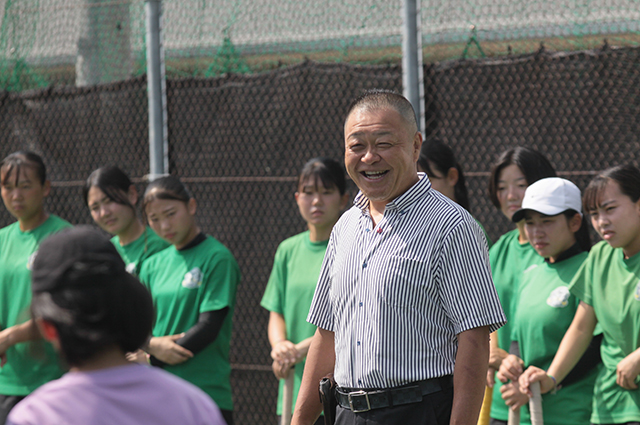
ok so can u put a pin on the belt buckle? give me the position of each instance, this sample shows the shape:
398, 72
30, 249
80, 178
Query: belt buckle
357, 394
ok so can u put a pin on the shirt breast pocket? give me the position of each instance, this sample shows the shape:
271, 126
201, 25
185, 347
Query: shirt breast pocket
402, 282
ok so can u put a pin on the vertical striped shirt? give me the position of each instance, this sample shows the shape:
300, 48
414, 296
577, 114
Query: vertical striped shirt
396, 295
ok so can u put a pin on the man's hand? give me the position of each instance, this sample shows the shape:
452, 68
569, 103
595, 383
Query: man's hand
164, 348
628, 370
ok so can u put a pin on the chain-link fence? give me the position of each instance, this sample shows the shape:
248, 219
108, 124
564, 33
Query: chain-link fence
255, 89
85, 42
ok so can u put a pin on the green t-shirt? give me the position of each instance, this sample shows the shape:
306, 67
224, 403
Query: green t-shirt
184, 284
508, 258
611, 285
29, 364
543, 311
293, 281
134, 253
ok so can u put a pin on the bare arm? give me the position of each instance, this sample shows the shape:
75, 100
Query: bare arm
469, 375
303, 347
573, 345
496, 355
627, 371
320, 362
165, 349
284, 353
16, 334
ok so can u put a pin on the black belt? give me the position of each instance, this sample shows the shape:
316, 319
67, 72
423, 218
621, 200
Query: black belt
365, 400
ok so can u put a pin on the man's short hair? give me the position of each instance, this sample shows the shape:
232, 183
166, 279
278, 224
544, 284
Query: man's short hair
380, 99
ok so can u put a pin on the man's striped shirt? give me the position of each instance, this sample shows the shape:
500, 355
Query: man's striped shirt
397, 294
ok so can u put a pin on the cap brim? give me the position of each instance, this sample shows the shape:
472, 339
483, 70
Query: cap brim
519, 215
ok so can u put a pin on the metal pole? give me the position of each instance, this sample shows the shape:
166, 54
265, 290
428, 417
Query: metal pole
157, 92
412, 73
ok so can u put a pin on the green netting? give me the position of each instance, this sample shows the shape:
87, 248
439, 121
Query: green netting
86, 42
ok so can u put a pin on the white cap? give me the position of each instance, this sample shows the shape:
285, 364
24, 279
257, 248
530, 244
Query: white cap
550, 196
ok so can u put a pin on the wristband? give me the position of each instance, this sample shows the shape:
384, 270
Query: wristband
555, 384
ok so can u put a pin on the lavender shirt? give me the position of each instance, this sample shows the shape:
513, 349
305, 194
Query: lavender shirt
125, 395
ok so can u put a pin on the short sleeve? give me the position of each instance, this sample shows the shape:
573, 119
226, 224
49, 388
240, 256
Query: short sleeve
321, 312
143, 276
274, 294
469, 297
580, 286
220, 282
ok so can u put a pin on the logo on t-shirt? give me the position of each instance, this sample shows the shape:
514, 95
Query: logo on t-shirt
192, 279
32, 257
531, 267
131, 268
637, 294
559, 297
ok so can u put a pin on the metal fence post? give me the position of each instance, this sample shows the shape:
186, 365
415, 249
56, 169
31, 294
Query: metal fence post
412, 73
157, 92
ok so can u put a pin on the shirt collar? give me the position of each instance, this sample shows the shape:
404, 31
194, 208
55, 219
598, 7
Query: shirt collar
415, 192
575, 249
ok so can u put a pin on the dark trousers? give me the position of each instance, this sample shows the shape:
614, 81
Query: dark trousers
434, 409
320, 420
7, 402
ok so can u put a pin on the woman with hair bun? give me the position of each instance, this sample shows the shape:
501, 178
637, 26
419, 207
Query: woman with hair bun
193, 285
94, 312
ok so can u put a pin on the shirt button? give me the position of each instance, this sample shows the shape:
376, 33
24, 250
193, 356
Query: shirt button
359, 381
366, 230
364, 265
360, 303
358, 343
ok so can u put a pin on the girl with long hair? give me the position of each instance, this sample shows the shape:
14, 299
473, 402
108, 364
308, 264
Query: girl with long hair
321, 196
111, 198
193, 285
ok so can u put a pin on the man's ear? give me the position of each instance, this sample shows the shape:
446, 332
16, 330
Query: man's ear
417, 145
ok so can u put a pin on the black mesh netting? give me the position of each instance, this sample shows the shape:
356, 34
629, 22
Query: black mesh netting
239, 141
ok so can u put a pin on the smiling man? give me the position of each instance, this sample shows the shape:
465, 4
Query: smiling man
405, 298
